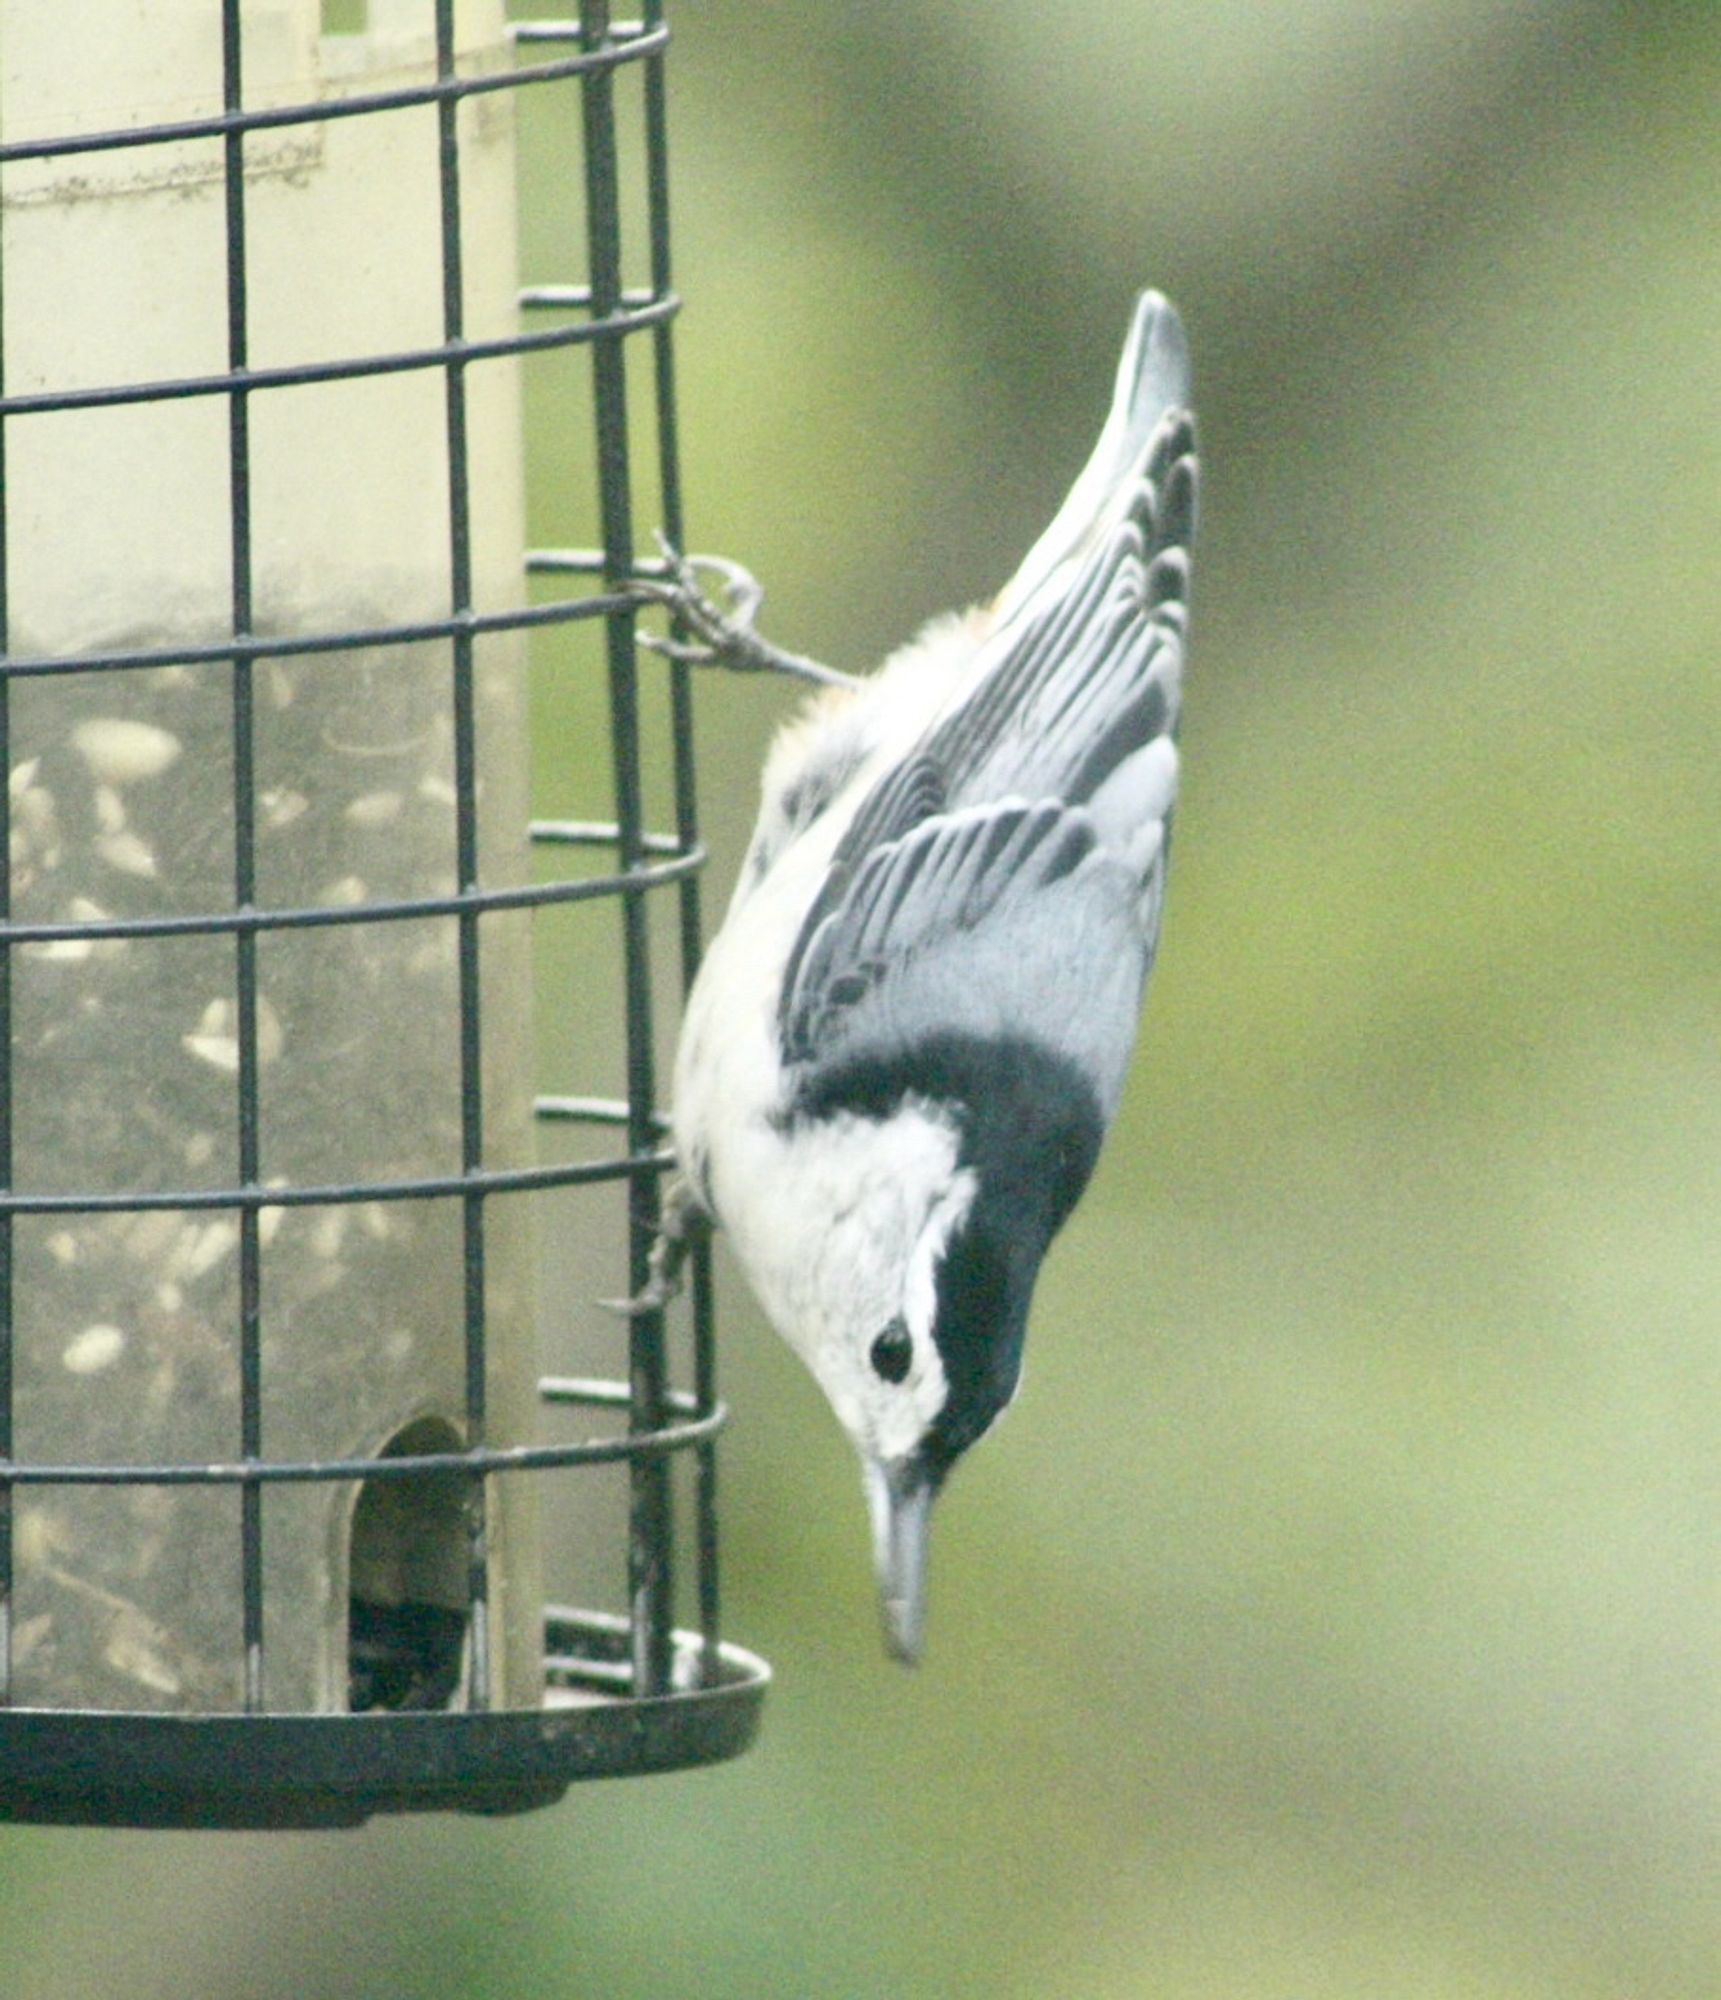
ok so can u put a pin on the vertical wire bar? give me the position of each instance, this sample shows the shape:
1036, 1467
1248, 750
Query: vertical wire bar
244, 863
6, 1235
686, 825
650, 1568
466, 860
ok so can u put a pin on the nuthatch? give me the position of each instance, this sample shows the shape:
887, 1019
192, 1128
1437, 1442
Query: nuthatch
911, 1032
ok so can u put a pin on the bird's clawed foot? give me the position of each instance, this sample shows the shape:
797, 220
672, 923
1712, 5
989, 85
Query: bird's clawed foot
721, 633
684, 1223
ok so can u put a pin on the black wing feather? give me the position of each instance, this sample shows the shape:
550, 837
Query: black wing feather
914, 897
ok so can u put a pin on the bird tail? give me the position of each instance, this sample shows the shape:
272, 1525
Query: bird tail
1152, 384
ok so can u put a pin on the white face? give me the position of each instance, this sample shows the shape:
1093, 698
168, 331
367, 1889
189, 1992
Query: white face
848, 1272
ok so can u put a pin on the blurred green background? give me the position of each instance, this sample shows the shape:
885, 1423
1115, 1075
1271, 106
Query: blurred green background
1337, 1612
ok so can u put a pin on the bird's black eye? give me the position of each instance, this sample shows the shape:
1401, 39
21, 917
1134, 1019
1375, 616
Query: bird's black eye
892, 1352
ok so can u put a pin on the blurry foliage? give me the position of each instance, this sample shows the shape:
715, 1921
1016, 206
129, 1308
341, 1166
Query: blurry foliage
1337, 1613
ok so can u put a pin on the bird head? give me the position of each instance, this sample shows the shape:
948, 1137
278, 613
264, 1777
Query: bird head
905, 1287
971, 1347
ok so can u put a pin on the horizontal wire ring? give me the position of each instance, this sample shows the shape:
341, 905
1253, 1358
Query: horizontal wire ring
637, 46
694, 1429
303, 374
525, 896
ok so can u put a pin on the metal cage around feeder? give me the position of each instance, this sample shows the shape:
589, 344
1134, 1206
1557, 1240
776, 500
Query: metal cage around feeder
269, 1457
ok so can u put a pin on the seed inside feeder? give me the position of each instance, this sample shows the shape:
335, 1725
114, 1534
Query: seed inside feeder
120, 751
96, 1348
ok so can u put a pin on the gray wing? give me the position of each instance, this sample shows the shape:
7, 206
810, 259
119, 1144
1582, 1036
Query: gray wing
1003, 923
1085, 665
1093, 673
1086, 678
1006, 877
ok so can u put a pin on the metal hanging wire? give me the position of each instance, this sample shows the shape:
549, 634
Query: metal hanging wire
627, 1692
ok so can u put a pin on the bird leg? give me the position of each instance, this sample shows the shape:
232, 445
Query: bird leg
722, 633
683, 1223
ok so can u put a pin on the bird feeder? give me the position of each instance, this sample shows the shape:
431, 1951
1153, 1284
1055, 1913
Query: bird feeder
274, 1203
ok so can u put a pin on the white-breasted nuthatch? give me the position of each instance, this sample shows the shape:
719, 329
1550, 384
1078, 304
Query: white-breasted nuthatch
909, 1035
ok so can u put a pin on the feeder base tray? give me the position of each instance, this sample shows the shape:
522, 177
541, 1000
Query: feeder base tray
81, 1767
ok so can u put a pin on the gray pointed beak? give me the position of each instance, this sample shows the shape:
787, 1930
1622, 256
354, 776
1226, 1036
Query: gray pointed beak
900, 1497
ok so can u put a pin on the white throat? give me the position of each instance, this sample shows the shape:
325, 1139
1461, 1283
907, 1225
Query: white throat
841, 1224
